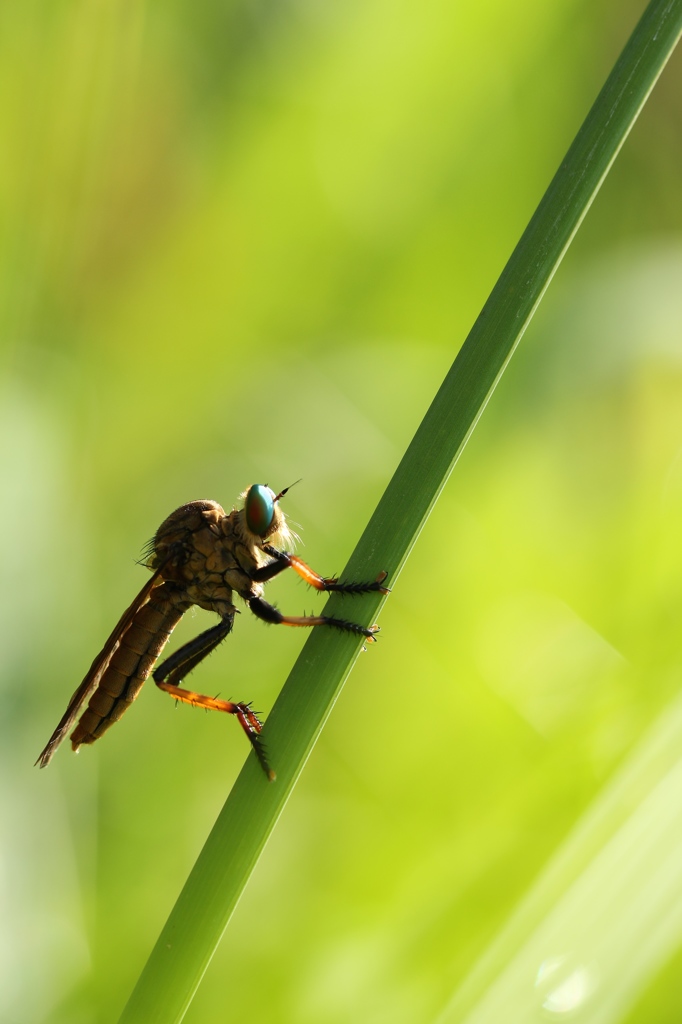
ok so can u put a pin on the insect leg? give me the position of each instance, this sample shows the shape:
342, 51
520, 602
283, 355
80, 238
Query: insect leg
284, 560
268, 613
174, 669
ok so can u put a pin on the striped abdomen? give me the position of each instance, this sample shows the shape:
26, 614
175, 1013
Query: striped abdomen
130, 664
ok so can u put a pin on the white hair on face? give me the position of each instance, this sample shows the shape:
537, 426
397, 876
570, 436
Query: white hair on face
284, 537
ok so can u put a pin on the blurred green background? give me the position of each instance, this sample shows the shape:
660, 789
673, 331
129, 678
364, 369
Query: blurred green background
242, 241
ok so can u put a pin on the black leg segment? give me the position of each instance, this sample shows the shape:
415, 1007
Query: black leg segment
180, 664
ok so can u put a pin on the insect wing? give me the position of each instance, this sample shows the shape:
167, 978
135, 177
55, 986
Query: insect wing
97, 670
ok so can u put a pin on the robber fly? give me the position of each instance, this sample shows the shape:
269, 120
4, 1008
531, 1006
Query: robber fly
200, 555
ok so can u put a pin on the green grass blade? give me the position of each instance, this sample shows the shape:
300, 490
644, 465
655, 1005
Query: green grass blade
202, 911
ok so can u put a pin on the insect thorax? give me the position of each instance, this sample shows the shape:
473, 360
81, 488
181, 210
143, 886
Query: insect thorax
208, 553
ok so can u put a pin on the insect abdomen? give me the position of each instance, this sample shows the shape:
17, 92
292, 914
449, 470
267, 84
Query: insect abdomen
130, 664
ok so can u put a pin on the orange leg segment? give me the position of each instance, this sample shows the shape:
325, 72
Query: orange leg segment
247, 718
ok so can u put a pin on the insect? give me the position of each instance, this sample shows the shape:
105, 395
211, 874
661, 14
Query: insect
200, 555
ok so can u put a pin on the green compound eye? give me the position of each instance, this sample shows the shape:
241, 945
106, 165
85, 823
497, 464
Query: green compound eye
259, 508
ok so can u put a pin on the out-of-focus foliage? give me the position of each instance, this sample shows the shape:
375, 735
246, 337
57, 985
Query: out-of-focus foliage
241, 242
